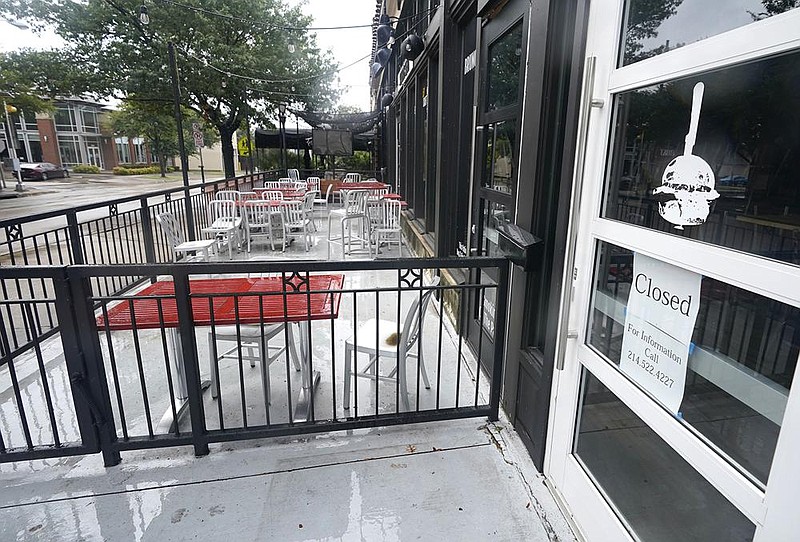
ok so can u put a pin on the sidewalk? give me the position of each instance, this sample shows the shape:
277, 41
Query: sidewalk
458, 480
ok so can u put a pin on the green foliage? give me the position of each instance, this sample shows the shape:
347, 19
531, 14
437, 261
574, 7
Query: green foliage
119, 170
86, 168
359, 161
16, 87
128, 59
154, 121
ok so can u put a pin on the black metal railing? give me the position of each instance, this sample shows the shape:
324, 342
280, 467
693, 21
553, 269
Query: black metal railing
120, 231
130, 370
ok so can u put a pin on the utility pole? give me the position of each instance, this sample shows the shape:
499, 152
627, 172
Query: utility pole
176, 94
12, 149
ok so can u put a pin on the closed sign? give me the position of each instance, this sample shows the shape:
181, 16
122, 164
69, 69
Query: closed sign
659, 321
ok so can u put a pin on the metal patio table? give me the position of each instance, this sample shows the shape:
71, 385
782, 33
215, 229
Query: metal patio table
267, 300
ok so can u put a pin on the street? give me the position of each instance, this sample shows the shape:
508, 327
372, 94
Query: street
56, 194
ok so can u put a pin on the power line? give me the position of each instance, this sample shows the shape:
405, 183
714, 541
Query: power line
273, 26
268, 81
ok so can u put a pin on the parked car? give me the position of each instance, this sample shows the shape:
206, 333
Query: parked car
41, 171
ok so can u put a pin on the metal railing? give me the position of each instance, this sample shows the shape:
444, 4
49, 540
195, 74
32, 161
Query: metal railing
102, 387
120, 231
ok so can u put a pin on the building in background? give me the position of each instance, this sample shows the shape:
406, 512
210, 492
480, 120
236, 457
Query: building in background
78, 132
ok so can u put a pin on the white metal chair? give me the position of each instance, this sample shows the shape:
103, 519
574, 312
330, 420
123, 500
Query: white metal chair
264, 220
320, 202
296, 221
293, 174
192, 250
254, 346
352, 178
378, 339
301, 185
272, 185
272, 195
285, 182
228, 195
224, 223
312, 183
385, 224
353, 210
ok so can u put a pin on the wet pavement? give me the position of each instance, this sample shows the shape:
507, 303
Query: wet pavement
457, 480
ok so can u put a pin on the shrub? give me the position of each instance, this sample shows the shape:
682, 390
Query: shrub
119, 170
86, 168
135, 166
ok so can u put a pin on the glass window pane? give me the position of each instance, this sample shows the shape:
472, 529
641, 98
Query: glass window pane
748, 135
659, 496
503, 156
503, 69
653, 27
65, 119
488, 155
90, 121
741, 363
494, 214
68, 149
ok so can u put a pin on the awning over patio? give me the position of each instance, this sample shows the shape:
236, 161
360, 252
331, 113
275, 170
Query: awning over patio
271, 139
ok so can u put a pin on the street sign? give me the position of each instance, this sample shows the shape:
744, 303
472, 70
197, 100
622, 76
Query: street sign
197, 135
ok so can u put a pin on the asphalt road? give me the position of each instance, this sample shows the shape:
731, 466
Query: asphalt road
44, 196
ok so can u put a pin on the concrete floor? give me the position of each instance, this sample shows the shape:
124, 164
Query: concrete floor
456, 480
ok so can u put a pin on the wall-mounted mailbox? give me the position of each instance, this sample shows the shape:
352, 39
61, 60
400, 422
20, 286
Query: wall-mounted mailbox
518, 245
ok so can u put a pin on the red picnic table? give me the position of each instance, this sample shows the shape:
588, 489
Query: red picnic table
250, 301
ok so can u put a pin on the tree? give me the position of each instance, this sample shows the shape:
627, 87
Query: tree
154, 121
644, 19
17, 87
233, 55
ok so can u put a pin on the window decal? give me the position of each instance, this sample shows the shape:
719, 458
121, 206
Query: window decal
687, 185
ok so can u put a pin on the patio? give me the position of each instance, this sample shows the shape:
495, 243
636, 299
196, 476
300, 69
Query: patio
382, 482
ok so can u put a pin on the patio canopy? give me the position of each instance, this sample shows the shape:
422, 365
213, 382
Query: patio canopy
271, 139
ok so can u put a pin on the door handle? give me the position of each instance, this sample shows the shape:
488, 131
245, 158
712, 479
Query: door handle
570, 272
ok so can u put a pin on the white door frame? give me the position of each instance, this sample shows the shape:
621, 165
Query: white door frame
773, 509
93, 151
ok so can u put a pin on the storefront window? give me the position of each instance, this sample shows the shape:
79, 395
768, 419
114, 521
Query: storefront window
655, 27
90, 123
656, 493
498, 159
68, 148
493, 215
123, 150
747, 147
65, 119
741, 360
140, 155
503, 69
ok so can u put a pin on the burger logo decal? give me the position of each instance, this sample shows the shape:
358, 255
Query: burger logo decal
687, 185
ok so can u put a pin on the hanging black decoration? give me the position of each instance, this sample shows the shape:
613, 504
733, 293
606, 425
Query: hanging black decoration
386, 100
412, 47
383, 33
382, 56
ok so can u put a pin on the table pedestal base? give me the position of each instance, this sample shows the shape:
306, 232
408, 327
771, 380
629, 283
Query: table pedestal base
302, 408
168, 424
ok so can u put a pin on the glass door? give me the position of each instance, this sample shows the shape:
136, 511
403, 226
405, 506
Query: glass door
496, 157
683, 334
94, 156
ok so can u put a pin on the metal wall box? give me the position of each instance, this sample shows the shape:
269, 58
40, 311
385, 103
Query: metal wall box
520, 246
